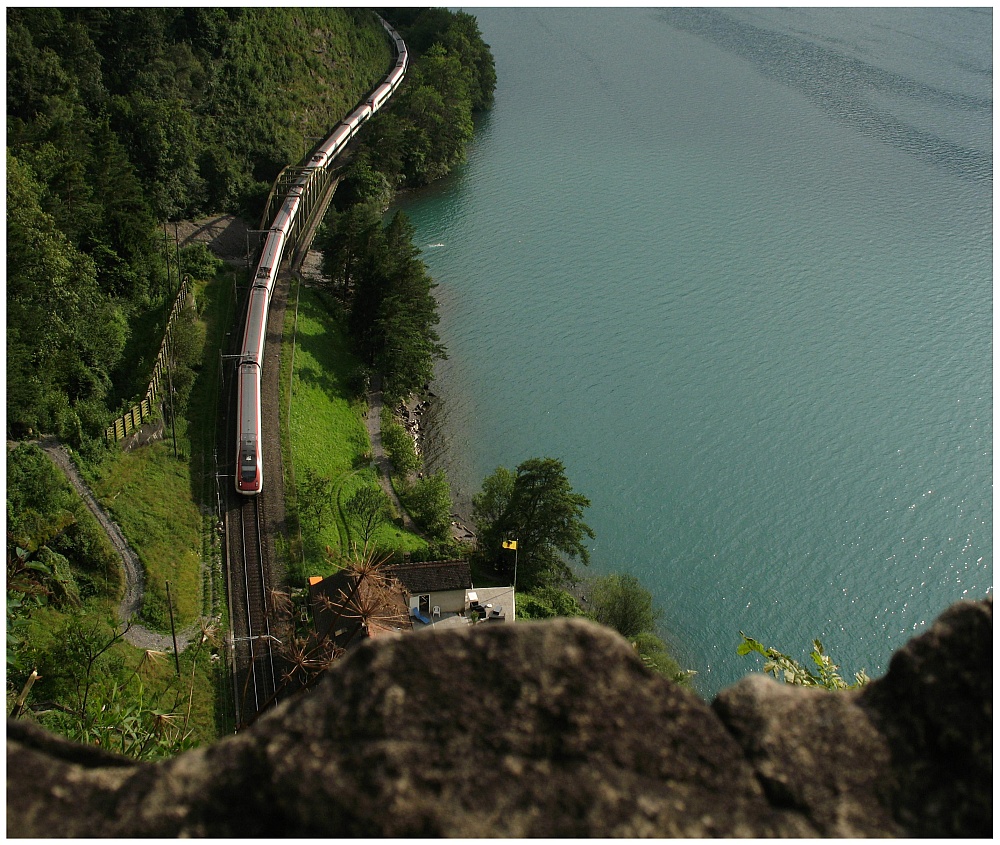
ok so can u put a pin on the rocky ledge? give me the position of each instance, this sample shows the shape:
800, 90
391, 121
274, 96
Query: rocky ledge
554, 729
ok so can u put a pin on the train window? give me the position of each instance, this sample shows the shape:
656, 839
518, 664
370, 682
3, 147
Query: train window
248, 461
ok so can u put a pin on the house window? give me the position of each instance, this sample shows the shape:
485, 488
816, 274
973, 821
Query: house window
424, 603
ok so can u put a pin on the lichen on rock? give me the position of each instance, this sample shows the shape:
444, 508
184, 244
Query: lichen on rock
554, 729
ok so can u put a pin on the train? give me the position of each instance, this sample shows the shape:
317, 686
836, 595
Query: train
249, 453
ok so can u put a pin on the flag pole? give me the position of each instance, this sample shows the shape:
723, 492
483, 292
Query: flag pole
512, 544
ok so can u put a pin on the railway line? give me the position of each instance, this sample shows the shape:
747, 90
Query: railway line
256, 678
251, 415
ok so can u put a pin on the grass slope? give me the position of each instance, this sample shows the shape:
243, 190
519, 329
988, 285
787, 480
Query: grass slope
327, 431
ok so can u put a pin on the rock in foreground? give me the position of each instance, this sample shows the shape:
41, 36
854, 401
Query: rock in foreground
554, 729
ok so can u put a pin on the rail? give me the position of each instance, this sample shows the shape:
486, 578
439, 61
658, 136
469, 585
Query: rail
254, 652
295, 204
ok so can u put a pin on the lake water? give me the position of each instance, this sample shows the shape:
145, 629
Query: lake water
734, 269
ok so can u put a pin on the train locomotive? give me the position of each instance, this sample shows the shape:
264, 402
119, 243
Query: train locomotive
249, 455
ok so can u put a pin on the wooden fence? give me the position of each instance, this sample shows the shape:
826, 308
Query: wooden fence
143, 411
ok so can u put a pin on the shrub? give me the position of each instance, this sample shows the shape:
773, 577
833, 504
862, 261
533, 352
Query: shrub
398, 445
547, 603
621, 602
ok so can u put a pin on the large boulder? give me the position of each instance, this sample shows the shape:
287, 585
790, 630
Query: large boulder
553, 729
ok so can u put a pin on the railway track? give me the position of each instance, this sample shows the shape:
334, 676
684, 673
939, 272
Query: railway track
252, 416
256, 679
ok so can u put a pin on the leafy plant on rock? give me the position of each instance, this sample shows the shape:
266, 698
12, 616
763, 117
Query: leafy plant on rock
791, 671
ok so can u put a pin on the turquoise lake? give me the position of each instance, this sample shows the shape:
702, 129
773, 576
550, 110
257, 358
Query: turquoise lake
735, 269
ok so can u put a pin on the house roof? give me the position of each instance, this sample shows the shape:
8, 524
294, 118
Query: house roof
432, 576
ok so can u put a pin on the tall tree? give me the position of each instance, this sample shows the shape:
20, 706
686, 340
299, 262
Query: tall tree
543, 514
489, 506
60, 345
408, 341
346, 241
429, 500
392, 310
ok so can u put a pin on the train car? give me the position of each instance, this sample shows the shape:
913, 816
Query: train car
256, 328
380, 96
250, 467
285, 217
270, 257
359, 116
249, 455
250, 472
336, 142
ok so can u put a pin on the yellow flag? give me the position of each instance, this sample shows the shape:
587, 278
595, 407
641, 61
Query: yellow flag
510, 544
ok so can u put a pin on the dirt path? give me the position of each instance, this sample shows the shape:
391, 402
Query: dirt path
137, 635
374, 423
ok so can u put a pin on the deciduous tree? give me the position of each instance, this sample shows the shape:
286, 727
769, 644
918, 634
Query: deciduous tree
543, 514
368, 508
429, 501
316, 496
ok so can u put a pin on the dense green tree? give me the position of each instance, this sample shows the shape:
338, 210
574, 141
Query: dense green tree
316, 495
391, 308
490, 504
429, 502
33, 493
61, 343
423, 134
459, 33
56, 554
364, 184
438, 104
407, 343
347, 239
464, 39
619, 601
547, 603
543, 514
653, 652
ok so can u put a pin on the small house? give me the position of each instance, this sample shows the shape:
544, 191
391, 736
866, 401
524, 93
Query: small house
433, 588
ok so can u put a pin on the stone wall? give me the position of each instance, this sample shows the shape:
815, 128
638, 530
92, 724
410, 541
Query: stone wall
554, 729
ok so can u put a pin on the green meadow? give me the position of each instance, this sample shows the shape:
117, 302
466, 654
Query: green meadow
325, 435
157, 497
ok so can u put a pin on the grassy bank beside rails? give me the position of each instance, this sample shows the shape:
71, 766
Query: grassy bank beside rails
165, 507
325, 437
148, 492
132, 688
165, 504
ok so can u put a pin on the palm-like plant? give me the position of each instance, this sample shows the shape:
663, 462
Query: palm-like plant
363, 602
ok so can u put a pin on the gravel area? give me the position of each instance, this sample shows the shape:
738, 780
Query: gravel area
226, 236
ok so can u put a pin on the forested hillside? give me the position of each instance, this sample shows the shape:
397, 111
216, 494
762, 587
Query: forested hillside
119, 119
374, 269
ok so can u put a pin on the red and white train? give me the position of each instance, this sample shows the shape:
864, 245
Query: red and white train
249, 456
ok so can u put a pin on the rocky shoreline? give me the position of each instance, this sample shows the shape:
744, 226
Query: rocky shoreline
416, 415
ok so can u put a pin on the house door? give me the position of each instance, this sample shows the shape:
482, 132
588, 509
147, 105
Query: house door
424, 603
